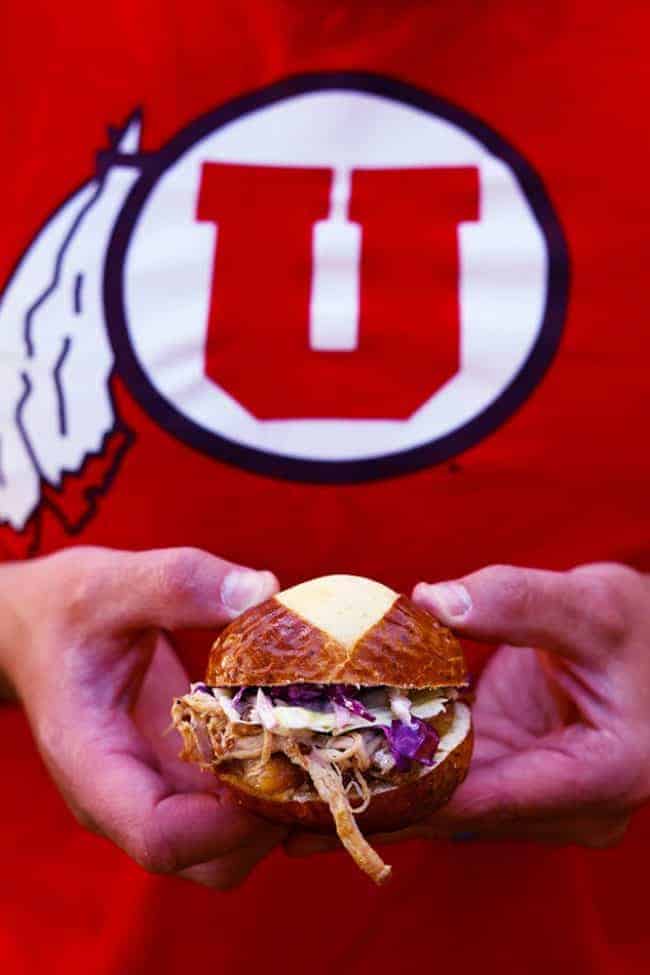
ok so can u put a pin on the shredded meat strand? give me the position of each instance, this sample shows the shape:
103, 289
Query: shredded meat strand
360, 784
329, 787
198, 732
267, 747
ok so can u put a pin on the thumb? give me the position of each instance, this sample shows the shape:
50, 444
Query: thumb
559, 611
170, 588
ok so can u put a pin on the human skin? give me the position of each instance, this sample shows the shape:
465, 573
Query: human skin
85, 643
562, 749
562, 709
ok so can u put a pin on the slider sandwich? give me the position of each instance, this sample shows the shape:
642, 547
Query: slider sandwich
336, 704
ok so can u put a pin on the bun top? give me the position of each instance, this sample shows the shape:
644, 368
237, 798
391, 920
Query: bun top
337, 629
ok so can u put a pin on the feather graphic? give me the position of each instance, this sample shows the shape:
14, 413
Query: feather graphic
55, 357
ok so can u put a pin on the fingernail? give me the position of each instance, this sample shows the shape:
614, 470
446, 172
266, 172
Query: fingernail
452, 598
243, 588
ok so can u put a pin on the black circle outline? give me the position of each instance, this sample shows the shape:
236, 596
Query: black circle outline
324, 471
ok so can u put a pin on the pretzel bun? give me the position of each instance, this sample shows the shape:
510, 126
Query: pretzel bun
337, 630
350, 630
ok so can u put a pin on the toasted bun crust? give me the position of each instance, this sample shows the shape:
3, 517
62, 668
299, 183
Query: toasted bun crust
389, 810
337, 629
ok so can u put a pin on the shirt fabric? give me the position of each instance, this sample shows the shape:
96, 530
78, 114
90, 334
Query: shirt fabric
560, 481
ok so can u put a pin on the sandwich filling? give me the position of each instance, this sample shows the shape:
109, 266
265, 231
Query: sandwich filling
336, 742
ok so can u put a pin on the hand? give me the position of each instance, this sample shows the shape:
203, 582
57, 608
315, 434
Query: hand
84, 639
562, 748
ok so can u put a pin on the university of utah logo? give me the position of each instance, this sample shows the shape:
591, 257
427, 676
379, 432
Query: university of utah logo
333, 279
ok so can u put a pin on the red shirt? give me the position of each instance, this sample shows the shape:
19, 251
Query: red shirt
360, 289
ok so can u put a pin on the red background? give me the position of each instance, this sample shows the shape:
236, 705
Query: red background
562, 482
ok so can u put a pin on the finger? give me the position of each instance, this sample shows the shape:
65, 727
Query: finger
114, 785
169, 588
572, 772
307, 844
232, 869
572, 613
598, 832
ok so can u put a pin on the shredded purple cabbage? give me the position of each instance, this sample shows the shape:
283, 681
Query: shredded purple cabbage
315, 697
408, 743
312, 696
204, 689
238, 700
324, 697
342, 694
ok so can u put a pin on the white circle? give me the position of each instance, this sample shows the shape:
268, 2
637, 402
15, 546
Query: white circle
503, 270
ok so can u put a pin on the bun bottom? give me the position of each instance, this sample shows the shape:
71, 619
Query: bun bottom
389, 809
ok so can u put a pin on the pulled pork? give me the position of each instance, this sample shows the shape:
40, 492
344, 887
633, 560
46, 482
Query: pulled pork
256, 736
